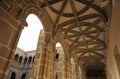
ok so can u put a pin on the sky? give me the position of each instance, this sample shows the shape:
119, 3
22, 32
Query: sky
30, 34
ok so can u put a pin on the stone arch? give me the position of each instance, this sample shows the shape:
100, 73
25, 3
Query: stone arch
30, 60
20, 59
20, 17
64, 43
31, 32
25, 60
16, 57
42, 15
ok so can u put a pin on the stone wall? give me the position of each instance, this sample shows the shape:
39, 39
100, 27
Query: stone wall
112, 67
22, 64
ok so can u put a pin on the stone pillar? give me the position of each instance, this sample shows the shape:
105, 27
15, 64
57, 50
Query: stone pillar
67, 68
51, 64
43, 63
77, 71
47, 64
44, 59
38, 56
19, 75
47, 59
82, 71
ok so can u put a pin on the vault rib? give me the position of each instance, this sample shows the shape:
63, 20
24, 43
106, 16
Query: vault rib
58, 17
97, 8
84, 17
51, 2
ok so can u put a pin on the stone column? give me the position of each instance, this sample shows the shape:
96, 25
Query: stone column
51, 64
82, 71
77, 70
43, 62
38, 56
19, 75
67, 61
44, 59
46, 70
67, 68
47, 58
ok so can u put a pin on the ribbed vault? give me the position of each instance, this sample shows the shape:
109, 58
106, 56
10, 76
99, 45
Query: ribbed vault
83, 24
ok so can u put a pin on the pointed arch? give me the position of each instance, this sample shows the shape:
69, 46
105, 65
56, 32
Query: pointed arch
16, 57
25, 60
30, 60
43, 15
31, 33
20, 59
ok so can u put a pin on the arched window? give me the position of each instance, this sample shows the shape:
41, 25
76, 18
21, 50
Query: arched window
58, 45
25, 60
20, 59
29, 60
31, 33
23, 76
13, 75
16, 57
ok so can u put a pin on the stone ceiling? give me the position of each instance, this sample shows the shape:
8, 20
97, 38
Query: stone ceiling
83, 24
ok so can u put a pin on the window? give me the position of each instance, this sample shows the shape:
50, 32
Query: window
23, 76
16, 57
32, 30
30, 60
25, 60
13, 75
